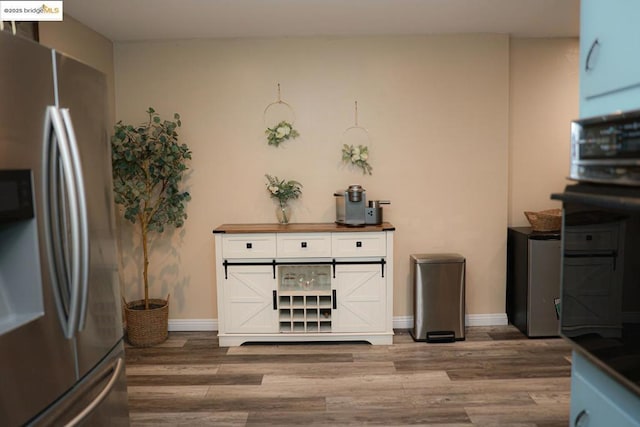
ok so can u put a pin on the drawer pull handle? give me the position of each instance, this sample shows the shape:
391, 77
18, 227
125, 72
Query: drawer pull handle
303, 244
335, 299
249, 245
589, 237
275, 300
358, 244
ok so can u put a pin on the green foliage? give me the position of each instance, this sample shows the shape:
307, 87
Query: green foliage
283, 190
357, 156
148, 165
280, 133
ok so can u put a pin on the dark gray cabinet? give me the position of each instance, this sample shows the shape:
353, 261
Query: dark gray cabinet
593, 256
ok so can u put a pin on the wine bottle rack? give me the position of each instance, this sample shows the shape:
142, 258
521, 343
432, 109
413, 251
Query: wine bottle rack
304, 299
305, 313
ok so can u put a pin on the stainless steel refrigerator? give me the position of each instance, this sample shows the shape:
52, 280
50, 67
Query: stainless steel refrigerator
61, 337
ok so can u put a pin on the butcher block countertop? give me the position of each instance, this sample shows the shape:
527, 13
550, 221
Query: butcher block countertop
312, 227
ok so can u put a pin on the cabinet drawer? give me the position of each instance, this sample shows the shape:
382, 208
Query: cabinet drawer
249, 246
358, 244
599, 400
591, 239
298, 245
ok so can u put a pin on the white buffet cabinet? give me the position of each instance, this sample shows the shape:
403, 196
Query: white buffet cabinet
304, 282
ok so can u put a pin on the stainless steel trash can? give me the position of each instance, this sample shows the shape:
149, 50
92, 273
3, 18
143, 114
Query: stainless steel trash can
439, 286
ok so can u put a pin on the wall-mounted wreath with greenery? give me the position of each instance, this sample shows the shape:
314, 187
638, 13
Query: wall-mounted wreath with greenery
357, 156
280, 133
284, 130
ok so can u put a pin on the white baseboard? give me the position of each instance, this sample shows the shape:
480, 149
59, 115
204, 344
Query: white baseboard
403, 322
399, 322
495, 319
193, 325
490, 319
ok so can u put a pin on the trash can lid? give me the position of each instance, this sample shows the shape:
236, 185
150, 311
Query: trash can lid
437, 258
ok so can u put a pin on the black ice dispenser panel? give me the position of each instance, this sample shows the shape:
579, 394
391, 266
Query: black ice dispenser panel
20, 279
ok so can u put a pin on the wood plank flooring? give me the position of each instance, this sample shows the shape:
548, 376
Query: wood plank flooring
497, 376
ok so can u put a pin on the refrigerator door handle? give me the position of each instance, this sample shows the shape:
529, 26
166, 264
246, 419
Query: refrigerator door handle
56, 153
115, 371
55, 233
82, 239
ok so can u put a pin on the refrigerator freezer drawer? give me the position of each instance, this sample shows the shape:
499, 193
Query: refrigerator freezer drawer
99, 399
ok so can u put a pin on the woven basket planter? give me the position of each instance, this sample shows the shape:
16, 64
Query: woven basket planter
146, 328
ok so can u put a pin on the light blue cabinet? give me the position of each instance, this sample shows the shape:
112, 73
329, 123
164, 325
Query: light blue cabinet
609, 56
598, 400
609, 82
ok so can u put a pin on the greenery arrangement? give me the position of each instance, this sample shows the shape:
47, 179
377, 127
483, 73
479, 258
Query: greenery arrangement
358, 156
148, 166
283, 190
280, 133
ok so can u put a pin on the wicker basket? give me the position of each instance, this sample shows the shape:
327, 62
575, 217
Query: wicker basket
547, 220
146, 328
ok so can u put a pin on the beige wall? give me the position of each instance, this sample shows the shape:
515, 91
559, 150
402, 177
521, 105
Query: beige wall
436, 108
79, 41
454, 122
543, 101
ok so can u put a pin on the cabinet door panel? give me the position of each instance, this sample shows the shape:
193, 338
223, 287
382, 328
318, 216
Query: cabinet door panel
608, 46
361, 298
586, 305
248, 292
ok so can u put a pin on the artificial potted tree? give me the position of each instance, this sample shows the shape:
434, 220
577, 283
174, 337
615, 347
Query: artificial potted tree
148, 166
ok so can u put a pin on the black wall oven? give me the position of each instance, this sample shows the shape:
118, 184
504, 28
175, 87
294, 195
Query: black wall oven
600, 303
